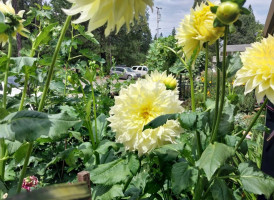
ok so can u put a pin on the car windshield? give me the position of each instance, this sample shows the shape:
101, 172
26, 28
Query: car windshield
129, 69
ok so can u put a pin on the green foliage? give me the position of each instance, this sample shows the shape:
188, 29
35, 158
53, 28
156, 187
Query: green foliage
30, 125
160, 58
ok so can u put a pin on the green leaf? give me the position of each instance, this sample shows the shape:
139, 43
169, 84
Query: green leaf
3, 113
21, 153
102, 192
213, 9
67, 155
101, 125
3, 27
30, 125
111, 173
188, 120
217, 23
220, 191
43, 35
105, 146
255, 181
13, 146
227, 120
213, 157
234, 63
183, 177
21, 62
159, 121
87, 150
2, 17
245, 11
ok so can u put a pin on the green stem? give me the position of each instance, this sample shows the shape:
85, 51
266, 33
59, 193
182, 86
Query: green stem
3, 147
24, 169
24, 92
192, 89
54, 58
206, 74
3, 151
222, 100
217, 85
251, 124
199, 144
4, 104
94, 113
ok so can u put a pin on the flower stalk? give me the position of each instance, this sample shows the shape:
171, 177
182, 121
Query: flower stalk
41, 105
3, 147
222, 100
24, 169
54, 58
206, 72
192, 89
217, 85
24, 92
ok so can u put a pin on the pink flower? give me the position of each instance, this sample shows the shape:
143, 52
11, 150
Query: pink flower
30, 181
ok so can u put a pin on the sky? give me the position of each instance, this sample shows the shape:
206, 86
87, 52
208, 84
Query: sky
173, 11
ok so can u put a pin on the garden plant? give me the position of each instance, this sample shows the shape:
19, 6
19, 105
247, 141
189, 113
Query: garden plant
135, 138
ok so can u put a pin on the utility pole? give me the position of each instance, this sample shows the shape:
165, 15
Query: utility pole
158, 20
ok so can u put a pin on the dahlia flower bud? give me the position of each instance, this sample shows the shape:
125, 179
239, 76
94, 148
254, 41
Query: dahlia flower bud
170, 83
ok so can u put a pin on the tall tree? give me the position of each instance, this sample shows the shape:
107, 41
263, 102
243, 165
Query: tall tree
248, 31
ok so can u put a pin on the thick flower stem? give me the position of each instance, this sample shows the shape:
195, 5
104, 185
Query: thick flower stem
251, 124
222, 100
24, 169
4, 103
54, 58
95, 115
192, 90
26, 83
206, 73
3, 150
24, 92
199, 144
217, 85
3, 147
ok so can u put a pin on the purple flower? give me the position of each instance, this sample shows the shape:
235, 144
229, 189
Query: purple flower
29, 182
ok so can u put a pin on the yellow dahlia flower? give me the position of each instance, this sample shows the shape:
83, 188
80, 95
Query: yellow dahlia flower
139, 104
168, 80
115, 13
197, 28
13, 20
258, 69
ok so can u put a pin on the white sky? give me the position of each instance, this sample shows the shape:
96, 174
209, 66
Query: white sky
173, 11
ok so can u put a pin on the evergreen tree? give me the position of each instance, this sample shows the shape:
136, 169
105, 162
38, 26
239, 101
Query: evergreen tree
248, 31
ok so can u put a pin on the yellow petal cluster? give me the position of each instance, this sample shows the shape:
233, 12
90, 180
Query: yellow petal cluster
258, 69
16, 25
139, 104
197, 28
115, 13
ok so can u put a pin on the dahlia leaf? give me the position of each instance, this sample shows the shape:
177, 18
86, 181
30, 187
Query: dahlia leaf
183, 177
213, 157
220, 191
245, 11
107, 192
255, 181
111, 173
234, 63
214, 9
21, 153
159, 121
188, 120
217, 23
31, 125
22, 63
43, 35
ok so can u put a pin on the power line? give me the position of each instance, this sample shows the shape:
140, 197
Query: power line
158, 21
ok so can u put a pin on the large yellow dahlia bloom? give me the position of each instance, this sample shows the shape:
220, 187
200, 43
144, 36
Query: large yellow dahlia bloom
197, 28
258, 69
13, 20
115, 12
139, 104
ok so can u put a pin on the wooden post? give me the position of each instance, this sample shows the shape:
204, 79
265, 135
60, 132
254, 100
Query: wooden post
84, 176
